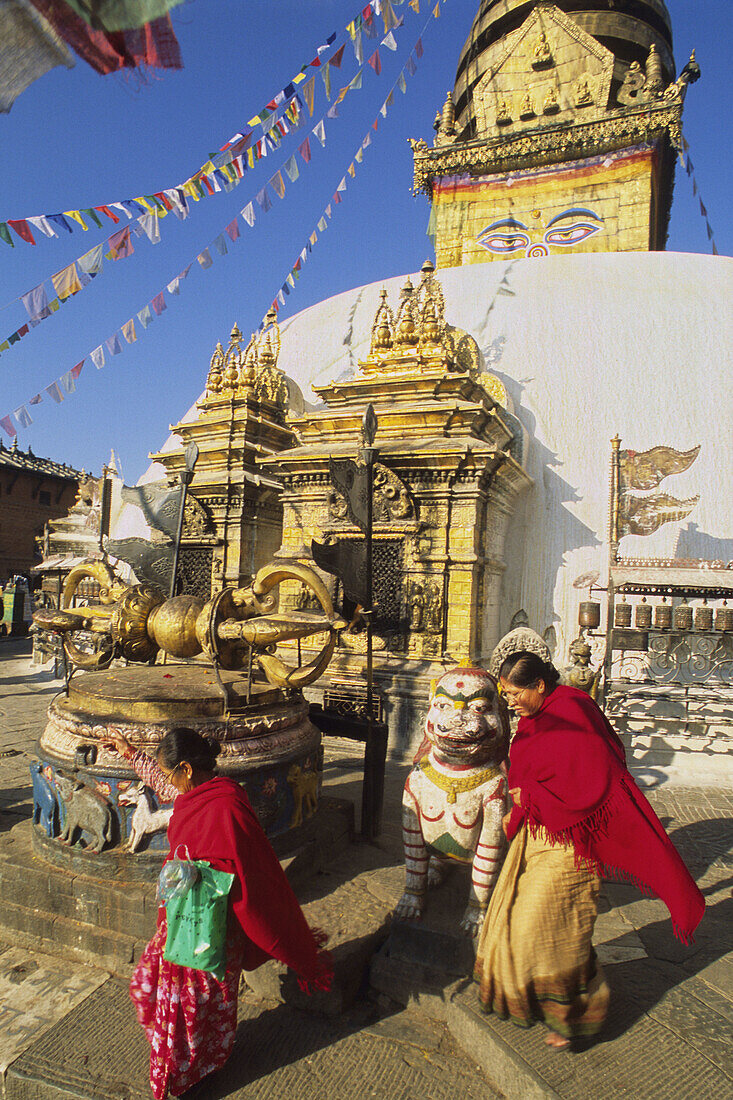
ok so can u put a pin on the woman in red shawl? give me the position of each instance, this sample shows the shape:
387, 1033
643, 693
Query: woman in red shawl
577, 815
188, 1015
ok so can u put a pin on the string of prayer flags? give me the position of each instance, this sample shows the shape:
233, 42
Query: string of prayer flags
690, 169
224, 170
322, 223
37, 299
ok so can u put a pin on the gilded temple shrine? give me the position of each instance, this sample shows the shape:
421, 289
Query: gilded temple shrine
561, 133
447, 475
233, 516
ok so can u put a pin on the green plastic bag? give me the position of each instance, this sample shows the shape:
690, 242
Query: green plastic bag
197, 922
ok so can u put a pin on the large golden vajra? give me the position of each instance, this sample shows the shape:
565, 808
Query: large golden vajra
236, 625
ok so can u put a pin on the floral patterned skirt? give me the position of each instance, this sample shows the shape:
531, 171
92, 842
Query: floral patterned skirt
189, 1017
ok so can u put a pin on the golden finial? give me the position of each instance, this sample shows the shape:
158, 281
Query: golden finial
406, 333
383, 326
214, 378
654, 77
448, 117
233, 360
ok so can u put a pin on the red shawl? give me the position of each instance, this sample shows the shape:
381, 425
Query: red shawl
216, 822
570, 767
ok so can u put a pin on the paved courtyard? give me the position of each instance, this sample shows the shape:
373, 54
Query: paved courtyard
68, 1030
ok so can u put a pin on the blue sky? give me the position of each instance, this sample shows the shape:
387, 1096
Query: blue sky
75, 139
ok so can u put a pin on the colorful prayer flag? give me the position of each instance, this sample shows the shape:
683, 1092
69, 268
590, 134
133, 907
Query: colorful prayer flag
76, 371
106, 210
389, 17
8, 426
220, 245
120, 245
42, 224
76, 216
21, 227
376, 62
36, 303
66, 282
128, 331
291, 168
159, 303
326, 74
320, 132
35, 400
309, 94
248, 213
54, 392
263, 200
233, 230
91, 262
390, 42
59, 219
418, 48
149, 223
67, 381
401, 83
411, 66
277, 183
5, 234
97, 357
321, 224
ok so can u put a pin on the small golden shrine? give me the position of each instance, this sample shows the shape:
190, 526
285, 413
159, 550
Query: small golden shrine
561, 133
234, 517
445, 484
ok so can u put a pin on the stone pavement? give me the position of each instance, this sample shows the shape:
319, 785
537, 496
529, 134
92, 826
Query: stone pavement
68, 1030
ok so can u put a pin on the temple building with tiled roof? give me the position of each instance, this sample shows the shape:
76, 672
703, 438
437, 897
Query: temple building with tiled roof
33, 490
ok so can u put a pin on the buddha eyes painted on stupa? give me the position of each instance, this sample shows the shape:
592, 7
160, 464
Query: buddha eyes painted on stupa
565, 230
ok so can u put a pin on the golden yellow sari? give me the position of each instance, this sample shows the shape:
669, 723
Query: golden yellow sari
535, 957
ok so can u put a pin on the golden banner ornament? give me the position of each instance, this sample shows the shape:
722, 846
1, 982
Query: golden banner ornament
646, 469
644, 515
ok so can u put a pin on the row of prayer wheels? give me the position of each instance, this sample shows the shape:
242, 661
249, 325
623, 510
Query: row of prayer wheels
683, 617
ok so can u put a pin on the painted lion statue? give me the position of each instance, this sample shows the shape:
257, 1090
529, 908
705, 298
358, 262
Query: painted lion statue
454, 798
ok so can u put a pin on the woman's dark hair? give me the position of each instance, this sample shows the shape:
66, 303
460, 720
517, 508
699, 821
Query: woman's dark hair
523, 669
183, 744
